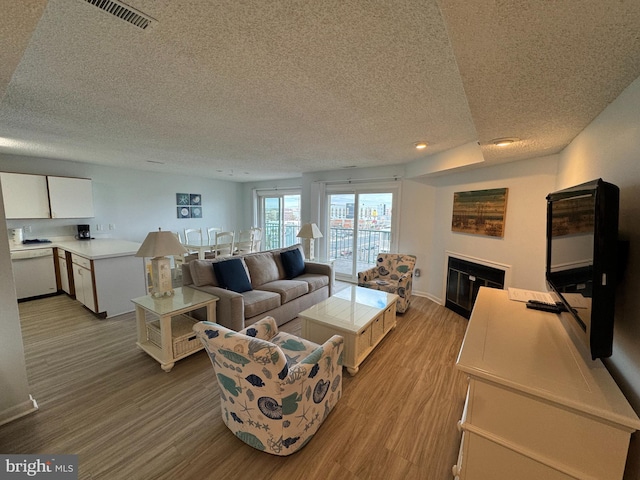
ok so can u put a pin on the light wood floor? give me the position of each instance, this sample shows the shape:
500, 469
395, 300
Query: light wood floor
102, 398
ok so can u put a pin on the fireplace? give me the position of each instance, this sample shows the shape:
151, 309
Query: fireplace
464, 279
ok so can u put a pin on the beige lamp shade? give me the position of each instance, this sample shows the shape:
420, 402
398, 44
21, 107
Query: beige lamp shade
157, 245
309, 230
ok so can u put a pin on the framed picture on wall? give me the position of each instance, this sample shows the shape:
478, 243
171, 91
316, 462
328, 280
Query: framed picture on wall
183, 199
189, 205
480, 212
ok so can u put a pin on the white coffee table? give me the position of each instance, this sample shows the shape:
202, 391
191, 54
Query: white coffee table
361, 315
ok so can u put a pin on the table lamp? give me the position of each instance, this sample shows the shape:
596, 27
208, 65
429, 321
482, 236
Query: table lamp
309, 232
157, 245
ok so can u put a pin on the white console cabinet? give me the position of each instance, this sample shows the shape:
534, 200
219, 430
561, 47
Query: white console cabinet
536, 408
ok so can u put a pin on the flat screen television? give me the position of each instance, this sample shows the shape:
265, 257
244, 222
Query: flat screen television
582, 238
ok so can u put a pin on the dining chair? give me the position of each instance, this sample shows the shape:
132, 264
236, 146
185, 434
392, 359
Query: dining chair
224, 244
257, 238
211, 234
193, 236
211, 241
244, 242
179, 260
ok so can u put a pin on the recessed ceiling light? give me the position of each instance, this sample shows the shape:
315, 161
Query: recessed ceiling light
503, 142
421, 145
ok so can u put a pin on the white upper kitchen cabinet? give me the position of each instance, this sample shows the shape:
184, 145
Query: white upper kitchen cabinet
24, 195
70, 197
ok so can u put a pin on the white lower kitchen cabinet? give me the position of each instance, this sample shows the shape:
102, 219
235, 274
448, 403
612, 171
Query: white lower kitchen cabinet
84, 282
107, 285
63, 270
106, 274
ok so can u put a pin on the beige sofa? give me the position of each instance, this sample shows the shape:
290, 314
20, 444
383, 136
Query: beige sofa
271, 292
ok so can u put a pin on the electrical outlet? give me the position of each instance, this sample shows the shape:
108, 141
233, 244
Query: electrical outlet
112, 226
99, 227
27, 229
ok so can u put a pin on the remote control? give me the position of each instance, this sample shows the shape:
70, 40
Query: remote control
539, 302
546, 307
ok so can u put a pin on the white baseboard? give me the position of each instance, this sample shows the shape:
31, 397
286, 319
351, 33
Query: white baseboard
17, 411
431, 297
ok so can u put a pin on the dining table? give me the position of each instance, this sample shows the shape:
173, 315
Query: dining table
201, 248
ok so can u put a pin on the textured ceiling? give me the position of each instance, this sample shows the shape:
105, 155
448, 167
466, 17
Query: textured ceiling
271, 89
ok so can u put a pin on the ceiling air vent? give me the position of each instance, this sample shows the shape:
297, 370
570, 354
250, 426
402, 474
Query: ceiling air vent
124, 12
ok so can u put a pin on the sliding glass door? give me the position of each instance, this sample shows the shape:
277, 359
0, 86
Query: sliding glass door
361, 225
279, 215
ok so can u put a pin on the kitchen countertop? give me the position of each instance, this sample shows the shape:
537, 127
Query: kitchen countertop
91, 249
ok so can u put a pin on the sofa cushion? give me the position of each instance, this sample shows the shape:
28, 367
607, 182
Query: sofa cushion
262, 268
293, 263
315, 280
257, 302
287, 289
232, 275
202, 273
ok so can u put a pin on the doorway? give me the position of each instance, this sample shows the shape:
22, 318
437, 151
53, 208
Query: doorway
361, 224
279, 215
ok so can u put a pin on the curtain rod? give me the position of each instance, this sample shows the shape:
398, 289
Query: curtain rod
359, 180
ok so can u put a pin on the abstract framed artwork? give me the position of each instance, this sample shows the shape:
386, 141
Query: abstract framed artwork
480, 212
189, 205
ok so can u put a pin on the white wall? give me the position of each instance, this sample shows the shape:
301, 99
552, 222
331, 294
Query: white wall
135, 201
523, 246
15, 400
609, 148
417, 231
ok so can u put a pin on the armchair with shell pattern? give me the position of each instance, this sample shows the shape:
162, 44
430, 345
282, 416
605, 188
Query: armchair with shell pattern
276, 389
393, 273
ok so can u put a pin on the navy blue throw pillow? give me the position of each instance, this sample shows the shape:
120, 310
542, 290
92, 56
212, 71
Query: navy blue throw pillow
293, 263
232, 275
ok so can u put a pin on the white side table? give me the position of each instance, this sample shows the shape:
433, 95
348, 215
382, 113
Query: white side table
184, 300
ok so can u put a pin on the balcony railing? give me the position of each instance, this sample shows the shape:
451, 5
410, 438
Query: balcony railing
273, 235
370, 242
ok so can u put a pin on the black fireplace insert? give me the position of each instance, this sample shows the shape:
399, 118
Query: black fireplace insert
464, 280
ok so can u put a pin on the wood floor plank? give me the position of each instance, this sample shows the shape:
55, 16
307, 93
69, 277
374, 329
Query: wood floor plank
104, 399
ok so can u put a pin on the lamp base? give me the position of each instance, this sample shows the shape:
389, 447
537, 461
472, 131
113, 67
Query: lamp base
161, 284
307, 246
167, 293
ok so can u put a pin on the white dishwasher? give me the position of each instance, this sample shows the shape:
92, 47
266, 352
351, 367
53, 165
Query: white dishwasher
33, 272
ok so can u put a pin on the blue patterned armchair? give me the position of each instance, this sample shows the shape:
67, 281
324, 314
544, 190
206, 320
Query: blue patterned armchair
393, 273
276, 389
